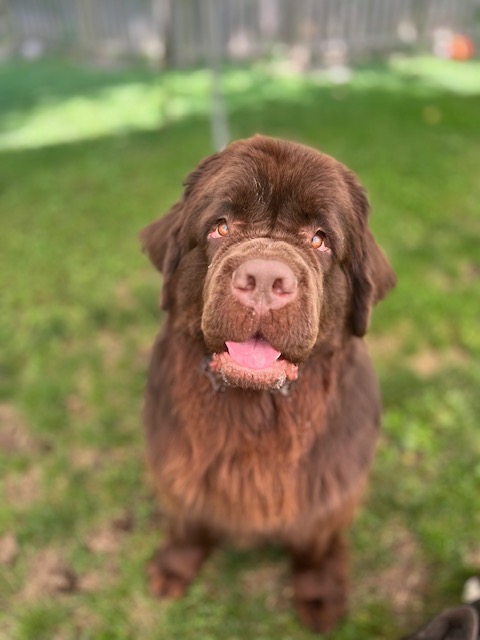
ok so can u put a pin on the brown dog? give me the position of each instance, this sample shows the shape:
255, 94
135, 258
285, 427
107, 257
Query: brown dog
262, 407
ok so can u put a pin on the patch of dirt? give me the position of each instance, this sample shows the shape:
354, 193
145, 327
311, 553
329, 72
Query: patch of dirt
77, 406
109, 538
85, 619
14, 434
101, 578
144, 614
388, 346
91, 581
6, 629
403, 583
429, 362
262, 579
472, 558
23, 489
124, 296
85, 458
273, 581
142, 355
104, 541
81, 620
469, 271
77, 402
89, 458
49, 576
9, 549
112, 346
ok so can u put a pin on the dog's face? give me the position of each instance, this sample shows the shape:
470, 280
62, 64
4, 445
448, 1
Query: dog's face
267, 257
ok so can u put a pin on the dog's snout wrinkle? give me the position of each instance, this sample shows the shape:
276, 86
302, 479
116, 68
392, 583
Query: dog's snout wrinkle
264, 284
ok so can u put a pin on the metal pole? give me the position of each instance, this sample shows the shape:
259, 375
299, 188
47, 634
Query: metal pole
218, 112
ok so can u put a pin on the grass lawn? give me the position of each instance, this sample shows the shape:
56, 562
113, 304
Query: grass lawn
79, 313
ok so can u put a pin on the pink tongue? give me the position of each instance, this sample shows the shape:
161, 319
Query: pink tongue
255, 353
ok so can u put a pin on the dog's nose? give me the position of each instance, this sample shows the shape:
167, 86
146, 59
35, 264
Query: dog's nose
264, 284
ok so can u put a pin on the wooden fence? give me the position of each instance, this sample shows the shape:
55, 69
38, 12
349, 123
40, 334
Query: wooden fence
179, 32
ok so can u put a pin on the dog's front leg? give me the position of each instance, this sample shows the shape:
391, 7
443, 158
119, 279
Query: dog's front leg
178, 561
320, 582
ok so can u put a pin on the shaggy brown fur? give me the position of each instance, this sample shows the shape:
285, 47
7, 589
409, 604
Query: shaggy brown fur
268, 250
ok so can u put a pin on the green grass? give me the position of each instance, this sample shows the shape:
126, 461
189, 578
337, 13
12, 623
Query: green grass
79, 311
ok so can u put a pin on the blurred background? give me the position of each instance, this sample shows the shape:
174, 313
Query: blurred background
105, 106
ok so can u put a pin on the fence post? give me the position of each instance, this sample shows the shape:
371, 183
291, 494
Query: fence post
161, 20
8, 33
86, 25
218, 112
420, 10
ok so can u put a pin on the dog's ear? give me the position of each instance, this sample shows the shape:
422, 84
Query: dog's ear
161, 240
371, 274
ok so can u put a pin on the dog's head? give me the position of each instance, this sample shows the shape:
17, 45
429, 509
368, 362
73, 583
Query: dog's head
267, 256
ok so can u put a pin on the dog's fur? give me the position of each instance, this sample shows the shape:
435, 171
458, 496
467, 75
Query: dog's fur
253, 456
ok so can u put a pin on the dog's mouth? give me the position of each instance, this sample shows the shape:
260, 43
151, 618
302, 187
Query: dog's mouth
253, 364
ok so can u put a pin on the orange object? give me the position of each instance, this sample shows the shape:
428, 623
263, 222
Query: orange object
461, 47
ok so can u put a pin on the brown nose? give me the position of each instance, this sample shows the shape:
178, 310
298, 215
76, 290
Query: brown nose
264, 284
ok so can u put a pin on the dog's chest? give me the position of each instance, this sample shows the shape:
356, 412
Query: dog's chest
237, 465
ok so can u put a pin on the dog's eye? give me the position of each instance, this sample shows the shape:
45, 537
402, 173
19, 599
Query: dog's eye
220, 230
318, 242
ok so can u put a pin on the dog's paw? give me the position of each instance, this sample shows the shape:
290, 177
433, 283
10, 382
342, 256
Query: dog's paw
173, 568
319, 614
321, 596
165, 584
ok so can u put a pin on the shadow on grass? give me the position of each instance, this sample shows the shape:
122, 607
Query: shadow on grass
52, 102
25, 85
